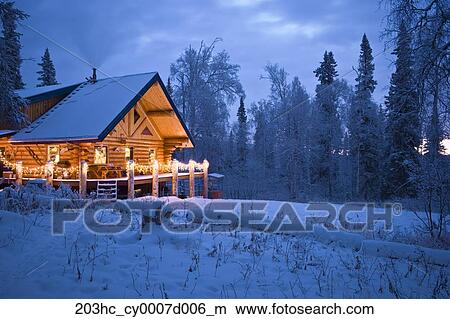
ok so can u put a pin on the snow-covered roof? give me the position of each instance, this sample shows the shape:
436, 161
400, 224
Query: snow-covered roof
90, 111
36, 94
6, 132
27, 92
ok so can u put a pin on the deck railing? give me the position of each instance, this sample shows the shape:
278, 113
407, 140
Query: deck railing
171, 169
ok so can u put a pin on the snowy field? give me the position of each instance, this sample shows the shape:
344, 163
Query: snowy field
80, 264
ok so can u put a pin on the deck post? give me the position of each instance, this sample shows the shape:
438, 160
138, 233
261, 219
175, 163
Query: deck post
205, 178
155, 182
19, 173
130, 175
175, 178
83, 178
191, 178
49, 173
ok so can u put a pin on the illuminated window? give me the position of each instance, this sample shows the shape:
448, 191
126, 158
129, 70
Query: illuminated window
53, 153
151, 155
129, 153
100, 155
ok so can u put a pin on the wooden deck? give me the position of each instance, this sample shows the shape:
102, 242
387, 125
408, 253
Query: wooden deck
165, 179
140, 181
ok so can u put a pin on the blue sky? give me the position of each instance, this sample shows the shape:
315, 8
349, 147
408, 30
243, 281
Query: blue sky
123, 37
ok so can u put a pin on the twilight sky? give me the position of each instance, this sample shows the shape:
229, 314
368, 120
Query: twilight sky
135, 36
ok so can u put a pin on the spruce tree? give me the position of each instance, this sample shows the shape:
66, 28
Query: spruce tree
230, 152
47, 74
434, 132
10, 16
263, 138
326, 72
403, 125
326, 132
292, 140
242, 133
169, 87
364, 135
11, 105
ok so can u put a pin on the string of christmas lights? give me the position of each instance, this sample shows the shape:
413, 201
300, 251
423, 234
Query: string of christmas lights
74, 171
40, 170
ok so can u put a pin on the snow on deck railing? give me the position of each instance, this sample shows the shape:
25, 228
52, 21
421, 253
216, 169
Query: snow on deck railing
49, 170
174, 167
39, 171
170, 167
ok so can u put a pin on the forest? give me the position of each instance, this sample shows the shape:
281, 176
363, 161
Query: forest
336, 144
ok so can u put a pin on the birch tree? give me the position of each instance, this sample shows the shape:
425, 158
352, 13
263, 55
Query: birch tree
205, 84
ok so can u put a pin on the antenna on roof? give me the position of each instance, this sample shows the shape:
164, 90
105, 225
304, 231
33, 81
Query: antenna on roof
93, 78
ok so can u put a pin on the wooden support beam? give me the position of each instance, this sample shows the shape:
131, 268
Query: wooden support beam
83, 178
155, 181
130, 177
175, 140
175, 178
191, 178
205, 178
19, 173
168, 113
49, 166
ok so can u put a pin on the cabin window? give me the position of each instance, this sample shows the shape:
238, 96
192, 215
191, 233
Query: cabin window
100, 155
129, 153
152, 155
53, 153
146, 132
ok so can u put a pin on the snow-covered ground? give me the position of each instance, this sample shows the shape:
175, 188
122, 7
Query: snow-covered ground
80, 264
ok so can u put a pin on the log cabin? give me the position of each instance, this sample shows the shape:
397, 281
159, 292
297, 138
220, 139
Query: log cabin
105, 124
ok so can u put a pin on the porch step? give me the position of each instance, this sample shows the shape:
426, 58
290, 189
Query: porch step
107, 189
108, 184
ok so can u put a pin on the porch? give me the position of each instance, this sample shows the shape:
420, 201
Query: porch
159, 179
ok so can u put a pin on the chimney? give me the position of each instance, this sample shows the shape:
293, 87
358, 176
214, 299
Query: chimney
93, 78
94, 75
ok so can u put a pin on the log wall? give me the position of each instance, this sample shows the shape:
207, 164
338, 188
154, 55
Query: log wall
35, 110
35, 155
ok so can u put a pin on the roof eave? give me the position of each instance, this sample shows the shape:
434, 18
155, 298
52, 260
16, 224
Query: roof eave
7, 133
49, 94
81, 139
